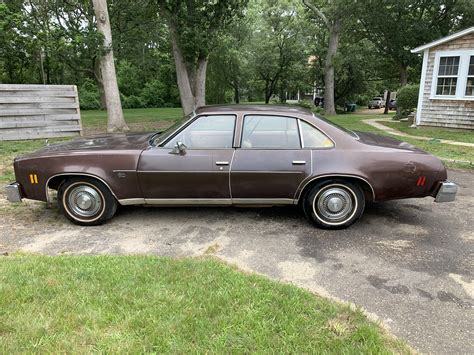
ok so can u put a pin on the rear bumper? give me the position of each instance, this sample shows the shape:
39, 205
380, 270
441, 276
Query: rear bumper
13, 192
446, 192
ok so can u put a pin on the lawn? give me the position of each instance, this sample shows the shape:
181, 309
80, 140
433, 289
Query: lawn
138, 304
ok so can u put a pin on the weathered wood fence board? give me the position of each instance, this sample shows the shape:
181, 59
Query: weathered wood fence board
39, 111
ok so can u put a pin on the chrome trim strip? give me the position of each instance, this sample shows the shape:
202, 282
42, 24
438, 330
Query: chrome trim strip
300, 189
298, 162
269, 172
188, 201
124, 171
182, 171
205, 201
300, 133
48, 199
262, 201
132, 201
222, 163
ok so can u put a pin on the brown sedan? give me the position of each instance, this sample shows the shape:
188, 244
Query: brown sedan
232, 155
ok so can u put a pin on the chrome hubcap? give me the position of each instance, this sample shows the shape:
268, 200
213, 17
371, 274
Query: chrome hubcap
84, 201
334, 204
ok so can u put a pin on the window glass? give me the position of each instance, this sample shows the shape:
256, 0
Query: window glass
272, 132
446, 86
470, 78
448, 66
314, 138
447, 76
207, 132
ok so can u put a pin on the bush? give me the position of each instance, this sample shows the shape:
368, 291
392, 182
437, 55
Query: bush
153, 94
132, 101
407, 99
89, 98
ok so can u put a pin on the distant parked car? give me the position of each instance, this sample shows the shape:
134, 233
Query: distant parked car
392, 105
232, 155
377, 102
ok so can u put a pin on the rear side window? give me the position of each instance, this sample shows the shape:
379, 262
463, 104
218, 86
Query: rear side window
270, 132
314, 138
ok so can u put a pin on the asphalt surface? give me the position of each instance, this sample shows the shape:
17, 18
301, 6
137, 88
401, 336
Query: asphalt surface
408, 263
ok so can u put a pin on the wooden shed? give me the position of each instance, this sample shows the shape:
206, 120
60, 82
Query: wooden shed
446, 96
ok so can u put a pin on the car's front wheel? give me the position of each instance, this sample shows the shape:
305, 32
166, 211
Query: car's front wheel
86, 201
335, 204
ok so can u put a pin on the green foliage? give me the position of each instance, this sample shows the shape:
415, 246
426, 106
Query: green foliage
128, 78
89, 95
132, 101
407, 98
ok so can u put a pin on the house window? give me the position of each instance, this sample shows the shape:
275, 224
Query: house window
470, 78
453, 75
447, 76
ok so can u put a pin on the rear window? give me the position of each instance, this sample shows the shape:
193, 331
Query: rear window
335, 125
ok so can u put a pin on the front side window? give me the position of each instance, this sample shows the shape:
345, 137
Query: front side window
207, 132
314, 138
470, 78
447, 76
270, 132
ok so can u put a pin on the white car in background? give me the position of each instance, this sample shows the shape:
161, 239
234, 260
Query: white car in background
376, 102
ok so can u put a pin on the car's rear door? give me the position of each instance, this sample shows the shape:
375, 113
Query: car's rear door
199, 174
270, 163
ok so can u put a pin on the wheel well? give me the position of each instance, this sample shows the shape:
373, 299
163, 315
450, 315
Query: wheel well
369, 194
56, 181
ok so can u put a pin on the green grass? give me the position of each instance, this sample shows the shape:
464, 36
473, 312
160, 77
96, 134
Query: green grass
459, 135
139, 304
98, 118
447, 151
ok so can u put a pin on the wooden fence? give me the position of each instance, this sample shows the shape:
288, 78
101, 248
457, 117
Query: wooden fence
39, 111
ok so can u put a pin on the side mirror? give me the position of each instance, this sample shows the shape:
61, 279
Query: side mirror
179, 148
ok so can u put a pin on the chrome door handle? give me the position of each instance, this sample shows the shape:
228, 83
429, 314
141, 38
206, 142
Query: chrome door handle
222, 163
299, 162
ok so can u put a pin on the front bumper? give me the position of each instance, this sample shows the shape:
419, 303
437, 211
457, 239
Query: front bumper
446, 192
13, 192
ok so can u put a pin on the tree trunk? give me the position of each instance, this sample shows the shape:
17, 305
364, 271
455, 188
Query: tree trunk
115, 120
329, 104
236, 94
403, 75
387, 103
191, 78
100, 83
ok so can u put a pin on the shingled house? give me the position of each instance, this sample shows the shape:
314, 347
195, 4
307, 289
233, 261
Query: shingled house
446, 96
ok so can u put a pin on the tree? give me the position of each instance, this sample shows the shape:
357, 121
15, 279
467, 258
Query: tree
331, 14
401, 25
194, 26
115, 120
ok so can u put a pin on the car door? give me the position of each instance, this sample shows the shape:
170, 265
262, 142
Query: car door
197, 174
270, 163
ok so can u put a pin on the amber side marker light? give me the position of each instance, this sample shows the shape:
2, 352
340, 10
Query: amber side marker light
33, 178
421, 181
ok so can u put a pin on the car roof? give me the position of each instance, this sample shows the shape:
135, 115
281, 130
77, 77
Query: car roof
253, 108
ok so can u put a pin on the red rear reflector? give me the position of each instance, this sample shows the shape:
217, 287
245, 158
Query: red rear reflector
421, 181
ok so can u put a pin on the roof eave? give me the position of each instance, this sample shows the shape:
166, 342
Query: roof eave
443, 40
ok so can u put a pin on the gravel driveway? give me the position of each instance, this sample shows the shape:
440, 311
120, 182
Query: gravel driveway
409, 263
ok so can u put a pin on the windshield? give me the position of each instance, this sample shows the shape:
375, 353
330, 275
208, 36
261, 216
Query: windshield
335, 125
159, 137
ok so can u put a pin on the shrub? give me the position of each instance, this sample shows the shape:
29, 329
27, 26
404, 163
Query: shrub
407, 99
153, 94
89, 98
132, 101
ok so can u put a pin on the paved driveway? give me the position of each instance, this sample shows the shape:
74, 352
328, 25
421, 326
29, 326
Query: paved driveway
410, 263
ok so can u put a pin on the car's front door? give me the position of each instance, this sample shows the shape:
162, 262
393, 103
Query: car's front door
199, 173
270, 163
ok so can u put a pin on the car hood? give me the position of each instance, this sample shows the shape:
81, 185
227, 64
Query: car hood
118, 141
387, 142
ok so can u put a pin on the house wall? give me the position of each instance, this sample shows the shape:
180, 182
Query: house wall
446, 113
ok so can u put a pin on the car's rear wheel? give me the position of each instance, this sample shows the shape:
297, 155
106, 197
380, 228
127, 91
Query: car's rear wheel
86, 201
335, 204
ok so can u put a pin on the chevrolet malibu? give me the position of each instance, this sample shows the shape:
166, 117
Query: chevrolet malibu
232, 155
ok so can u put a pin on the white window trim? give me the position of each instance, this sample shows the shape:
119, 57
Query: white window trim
464, 57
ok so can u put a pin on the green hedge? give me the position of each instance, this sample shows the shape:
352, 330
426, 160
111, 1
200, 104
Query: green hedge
407, 99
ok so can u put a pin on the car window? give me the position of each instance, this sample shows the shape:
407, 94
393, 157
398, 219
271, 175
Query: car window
214, 131
314, 138
272, 132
